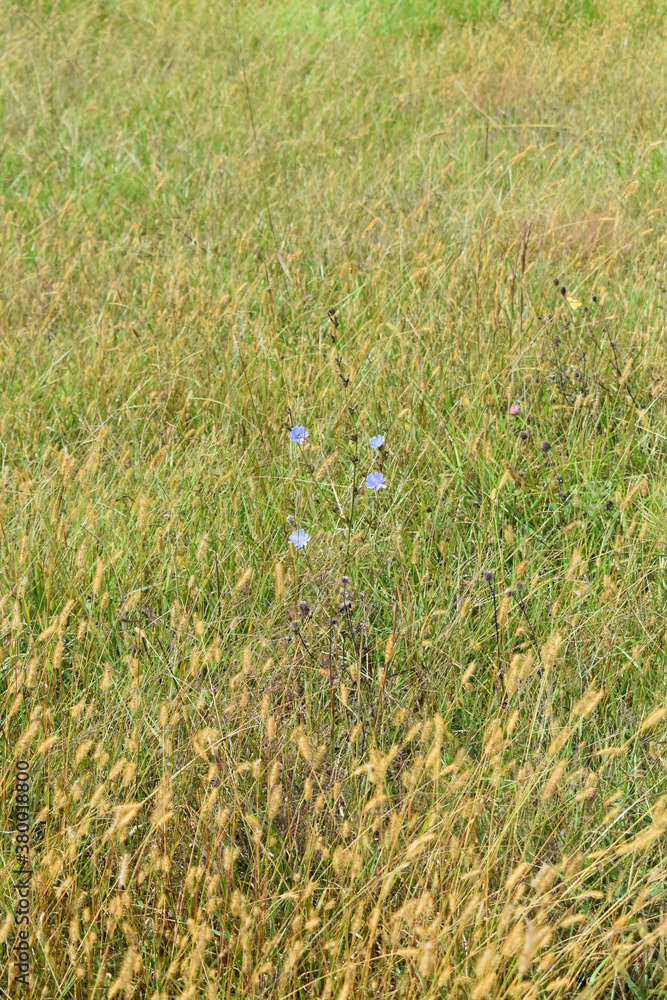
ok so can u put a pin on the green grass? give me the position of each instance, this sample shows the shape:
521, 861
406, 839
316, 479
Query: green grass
433, 785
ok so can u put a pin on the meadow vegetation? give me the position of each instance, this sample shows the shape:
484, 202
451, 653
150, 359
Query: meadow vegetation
424, 754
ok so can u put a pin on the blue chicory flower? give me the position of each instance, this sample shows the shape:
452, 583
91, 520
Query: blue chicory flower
377, 442
298, 434
299, 538
376, 481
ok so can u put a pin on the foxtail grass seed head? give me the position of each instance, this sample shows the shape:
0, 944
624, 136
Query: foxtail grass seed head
202, 548
586, 705
142, 513
551, 786
31, 674
6, 927
97, 579
244, 580
427, 959
105, 683
653, 718
279, 581
550, 650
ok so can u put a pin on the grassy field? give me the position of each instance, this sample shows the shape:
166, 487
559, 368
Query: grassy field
423, 755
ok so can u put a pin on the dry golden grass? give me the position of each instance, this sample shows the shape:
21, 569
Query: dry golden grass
422, 756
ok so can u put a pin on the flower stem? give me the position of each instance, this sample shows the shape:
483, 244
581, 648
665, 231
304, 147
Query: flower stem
351, 520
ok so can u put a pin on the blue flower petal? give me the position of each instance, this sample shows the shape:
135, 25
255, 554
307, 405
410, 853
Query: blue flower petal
376, 481
299, 538
298, 434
